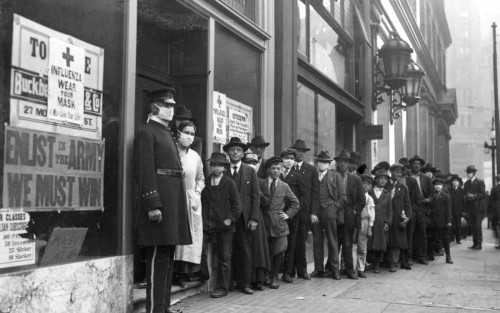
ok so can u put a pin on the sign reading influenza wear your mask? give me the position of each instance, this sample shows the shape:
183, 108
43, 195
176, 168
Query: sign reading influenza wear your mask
56, 81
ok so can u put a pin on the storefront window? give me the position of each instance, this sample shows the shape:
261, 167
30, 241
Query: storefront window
303, 29
306, 116
247, 8
326, 125
57, 204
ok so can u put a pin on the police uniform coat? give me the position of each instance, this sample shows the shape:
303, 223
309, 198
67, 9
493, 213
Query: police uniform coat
156, 149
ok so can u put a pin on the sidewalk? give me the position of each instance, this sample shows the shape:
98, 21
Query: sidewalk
471, 284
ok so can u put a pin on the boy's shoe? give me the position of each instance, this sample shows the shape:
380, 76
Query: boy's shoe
218, 293
449, 260
361, 274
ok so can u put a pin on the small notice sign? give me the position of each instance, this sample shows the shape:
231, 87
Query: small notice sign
64, 245
14, 249
219, 118
66, 82
240, 120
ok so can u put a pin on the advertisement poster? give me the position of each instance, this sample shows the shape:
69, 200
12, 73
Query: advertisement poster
219, 118
42, 57
240, 120
15, 250
52, 172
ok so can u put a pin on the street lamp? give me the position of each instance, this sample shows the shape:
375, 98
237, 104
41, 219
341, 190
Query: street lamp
491, 147
397, 75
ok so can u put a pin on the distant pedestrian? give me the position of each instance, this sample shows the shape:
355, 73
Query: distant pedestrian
475, 194
440, 220
457, 207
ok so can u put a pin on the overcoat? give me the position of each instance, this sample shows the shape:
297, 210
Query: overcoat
457, 200
400, 202
441, 210
285, 201
248, 188
156, 149
310, 179
478, 189
383, 214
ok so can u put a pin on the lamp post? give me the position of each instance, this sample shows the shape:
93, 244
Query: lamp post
397, 75
495, 88
493, 148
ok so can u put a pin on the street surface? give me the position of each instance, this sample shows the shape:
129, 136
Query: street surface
471, 284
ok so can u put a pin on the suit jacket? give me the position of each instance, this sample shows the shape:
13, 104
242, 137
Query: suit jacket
296, 184
248, 188
283, 200
262, 172
457, 200
478, 189
336, 191
414, 192
355, 194
441, 210
310, 179
426, 186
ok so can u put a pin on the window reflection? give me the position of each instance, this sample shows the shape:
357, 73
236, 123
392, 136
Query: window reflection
326, 125
302, 32
305, 119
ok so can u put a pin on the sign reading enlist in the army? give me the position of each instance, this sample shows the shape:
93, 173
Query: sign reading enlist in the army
52, 172
37, 52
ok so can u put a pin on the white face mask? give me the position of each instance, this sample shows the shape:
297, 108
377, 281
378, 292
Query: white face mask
288, 163
455, 184
165, 114
186, 140
323, 166
438, 188
217, 170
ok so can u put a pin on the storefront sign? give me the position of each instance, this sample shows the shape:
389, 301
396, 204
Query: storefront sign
239, 120
52, 172
374, 132
14, 249
64, 245
219, 118
65, 98
42, 57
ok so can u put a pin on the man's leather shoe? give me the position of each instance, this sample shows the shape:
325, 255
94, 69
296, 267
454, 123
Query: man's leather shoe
336, 276
477, 248
376, 269
267, 281
327, 274
304, 276
247, 290
392, 268
274, 283
422, 261
218, 293
449, 260
287, 279
361, 274
317, 274
257, 286
406, 266
351, 275
170, 310
472, 247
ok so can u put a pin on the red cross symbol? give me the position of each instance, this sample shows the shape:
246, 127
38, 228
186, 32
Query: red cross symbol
219, 101
68, 57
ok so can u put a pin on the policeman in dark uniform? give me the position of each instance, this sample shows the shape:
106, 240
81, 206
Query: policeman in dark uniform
161, 219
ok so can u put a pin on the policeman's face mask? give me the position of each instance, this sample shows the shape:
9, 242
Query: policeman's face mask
165, 113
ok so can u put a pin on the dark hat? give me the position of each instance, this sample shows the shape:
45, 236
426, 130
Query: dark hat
381, 172
343, 156
404, 161
273, 160
428, 168
437, 180
300, 145
366, 177
183, 113
362, 169
323, 156
455, 177
288, 151
250, 156
355, 157
396, 166
165, 95
441, 176
218, 157
471, 169
259, 141
234, 141
384, 164
416, 158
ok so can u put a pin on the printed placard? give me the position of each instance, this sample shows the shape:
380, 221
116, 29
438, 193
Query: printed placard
64, 245
240, 120
219, 118
14, 249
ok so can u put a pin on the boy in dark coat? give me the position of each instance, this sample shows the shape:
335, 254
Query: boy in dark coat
440, 219
457, 206
221, 209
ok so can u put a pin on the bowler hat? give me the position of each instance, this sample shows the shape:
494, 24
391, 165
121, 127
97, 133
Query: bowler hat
289, 151
355, 157
234, 141
367, 177
381, 172
218, 158
471, 169
183, 113
343, 156
428, 168
396, 166
273, 160
259, 141
323, 156
437, 180
300, 145
165, 95
416, 158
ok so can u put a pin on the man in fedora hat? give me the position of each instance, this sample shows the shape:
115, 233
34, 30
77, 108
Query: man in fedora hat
475, 194
355, 203
296, 184
494, 204
332, 200
248, 187
421, 211
162, 220
457, 206
310, 179
258, 146
354, 162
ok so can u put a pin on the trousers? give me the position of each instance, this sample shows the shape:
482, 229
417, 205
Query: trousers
223, 248
159, 272
326, 227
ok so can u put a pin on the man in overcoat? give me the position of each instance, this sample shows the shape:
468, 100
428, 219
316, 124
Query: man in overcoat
161, 219
457, 206
258, 146
494, 204
310, 179
296, 184
248, 187
475, 193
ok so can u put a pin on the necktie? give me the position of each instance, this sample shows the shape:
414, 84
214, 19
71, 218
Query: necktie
235, 170
297, 168
273, 187
285, 173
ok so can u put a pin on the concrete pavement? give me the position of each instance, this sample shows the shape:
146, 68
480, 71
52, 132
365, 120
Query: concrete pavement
471, 284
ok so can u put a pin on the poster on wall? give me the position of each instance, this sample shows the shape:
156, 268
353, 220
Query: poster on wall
52, 172
56, 81
240, 119
219, 118
14, 249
